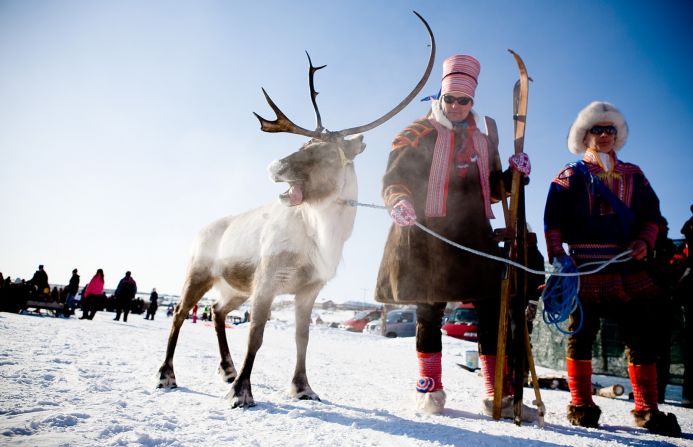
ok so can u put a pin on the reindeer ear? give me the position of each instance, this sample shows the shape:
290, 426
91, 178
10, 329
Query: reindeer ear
353, 147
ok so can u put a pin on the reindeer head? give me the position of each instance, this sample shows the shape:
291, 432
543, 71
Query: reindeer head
318, 168
317, 171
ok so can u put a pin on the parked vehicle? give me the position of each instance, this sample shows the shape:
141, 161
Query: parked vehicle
462, 323
398, 323
359, 320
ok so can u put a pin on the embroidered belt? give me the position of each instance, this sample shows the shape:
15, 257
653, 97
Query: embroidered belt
595, 251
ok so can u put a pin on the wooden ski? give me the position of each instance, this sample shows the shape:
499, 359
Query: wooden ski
513, 281
518, 303
522, 333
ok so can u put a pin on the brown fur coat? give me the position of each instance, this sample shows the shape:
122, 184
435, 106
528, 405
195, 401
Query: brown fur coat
416, 267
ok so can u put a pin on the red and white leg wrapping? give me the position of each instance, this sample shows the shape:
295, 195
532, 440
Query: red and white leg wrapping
430, 397
643, 378
580, 381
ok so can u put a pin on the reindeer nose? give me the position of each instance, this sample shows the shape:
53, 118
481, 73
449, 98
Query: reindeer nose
274, 169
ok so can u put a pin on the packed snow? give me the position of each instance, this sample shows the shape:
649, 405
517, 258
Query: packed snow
70, 382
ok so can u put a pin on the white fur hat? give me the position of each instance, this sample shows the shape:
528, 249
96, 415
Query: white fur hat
596, 112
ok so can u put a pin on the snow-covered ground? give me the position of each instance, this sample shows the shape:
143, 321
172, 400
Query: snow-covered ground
72, 382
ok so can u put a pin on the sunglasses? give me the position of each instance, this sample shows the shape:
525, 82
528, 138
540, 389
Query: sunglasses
462, 100
598, 130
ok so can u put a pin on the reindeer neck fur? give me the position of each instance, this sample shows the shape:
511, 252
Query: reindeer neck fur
329, 223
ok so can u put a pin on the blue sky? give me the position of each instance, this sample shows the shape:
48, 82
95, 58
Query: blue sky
126, 126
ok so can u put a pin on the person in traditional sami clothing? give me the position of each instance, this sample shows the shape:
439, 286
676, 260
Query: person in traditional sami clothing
601, 206
443, 173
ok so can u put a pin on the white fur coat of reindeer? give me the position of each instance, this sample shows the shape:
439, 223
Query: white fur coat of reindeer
291, 246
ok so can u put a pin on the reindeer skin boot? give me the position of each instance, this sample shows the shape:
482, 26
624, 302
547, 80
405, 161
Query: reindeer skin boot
646, 413
581, 411
488, 371
430, 397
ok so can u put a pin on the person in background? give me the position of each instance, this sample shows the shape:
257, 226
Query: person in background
153, 305
40, 281
666, 275
687, 231
72, 291
442, 172
125, 292
194, 314
684, 297
92, 296
600, 207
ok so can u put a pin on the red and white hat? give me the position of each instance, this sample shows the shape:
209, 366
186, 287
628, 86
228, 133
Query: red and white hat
460, 75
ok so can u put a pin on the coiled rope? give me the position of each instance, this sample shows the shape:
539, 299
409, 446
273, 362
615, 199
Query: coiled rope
560, 295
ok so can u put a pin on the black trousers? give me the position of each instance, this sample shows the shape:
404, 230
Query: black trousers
429, 320
90, 305
123, 307
635, 319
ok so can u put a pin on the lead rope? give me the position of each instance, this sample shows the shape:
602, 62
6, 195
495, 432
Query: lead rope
560, 295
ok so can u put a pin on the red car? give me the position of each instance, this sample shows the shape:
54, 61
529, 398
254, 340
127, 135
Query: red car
461, 323
360, 320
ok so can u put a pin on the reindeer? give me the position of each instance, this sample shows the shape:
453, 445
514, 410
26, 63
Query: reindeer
290, 246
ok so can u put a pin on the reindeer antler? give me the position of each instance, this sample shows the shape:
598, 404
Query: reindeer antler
314, 94
284, 124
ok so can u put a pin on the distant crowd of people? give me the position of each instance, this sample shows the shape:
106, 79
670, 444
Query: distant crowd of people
36, 293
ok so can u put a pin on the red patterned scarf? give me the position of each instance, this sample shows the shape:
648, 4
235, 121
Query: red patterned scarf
438, 178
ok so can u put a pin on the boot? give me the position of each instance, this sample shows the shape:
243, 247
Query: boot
584, 415
657, 422
488, 371
432, 402
581, 411
529, 414
646, 413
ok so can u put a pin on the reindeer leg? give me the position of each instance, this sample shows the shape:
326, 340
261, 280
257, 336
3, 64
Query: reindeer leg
229, 302
304, 306
241, 393
193, 290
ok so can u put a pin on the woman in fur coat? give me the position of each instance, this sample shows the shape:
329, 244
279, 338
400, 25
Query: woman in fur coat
442, 173
601, 206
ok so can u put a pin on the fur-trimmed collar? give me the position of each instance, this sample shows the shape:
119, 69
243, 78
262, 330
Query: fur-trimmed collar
439, 115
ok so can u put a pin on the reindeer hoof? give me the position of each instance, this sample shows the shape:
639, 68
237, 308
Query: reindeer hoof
243, 400
228, 373
243, 404
241, 395
306, 393
309, 397
167, 379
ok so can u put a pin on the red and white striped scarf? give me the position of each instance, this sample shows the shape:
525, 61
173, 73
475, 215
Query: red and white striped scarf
439, 176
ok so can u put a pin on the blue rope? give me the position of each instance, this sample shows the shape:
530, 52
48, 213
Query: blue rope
561, 295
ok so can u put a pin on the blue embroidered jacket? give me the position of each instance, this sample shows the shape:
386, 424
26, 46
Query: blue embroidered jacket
577, 215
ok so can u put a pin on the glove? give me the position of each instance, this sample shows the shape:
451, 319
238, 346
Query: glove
403, 213
520, 163
639, 249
